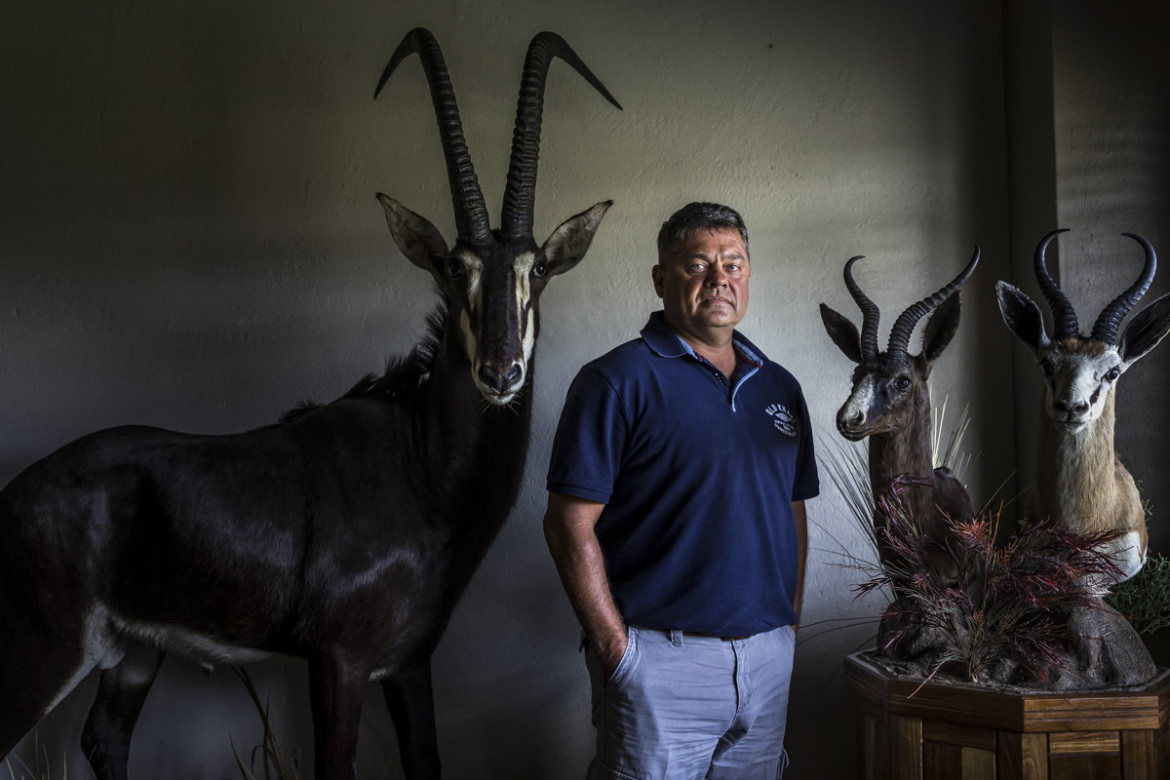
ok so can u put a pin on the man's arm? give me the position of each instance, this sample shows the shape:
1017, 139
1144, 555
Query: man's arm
569, 530
801, 517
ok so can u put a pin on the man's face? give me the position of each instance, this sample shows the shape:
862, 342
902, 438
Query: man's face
704, 283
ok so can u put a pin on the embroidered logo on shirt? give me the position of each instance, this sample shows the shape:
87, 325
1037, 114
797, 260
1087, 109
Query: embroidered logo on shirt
782, 419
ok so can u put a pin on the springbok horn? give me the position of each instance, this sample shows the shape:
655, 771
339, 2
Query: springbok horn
471, 217
1109, 321
870, 315
904, 325
520, 195
1064, 316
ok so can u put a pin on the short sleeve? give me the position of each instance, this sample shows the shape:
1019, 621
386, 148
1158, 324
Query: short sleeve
805, 482
590, 438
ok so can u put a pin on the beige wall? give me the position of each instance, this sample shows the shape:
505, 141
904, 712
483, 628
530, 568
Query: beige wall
189, 239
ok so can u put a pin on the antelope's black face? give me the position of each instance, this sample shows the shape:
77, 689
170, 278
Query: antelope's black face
492, 288
883, 399
494, 293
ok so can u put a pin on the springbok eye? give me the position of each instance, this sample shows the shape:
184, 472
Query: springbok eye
453, 268
902, 383
1046, 367
1112, 374
540, 269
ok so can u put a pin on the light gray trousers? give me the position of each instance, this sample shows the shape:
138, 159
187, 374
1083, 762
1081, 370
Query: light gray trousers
685, 707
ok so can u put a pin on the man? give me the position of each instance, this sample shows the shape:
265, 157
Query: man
676, 519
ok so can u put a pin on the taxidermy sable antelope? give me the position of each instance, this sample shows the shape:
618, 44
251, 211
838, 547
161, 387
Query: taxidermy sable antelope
1080, 481
890, 404
343, 534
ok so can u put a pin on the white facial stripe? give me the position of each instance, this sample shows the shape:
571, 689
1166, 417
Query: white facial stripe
861, 400
525, 318
473, 267
469, 342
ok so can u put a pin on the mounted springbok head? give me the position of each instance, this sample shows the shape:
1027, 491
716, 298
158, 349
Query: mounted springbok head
890, 404
344, 534
1079, 478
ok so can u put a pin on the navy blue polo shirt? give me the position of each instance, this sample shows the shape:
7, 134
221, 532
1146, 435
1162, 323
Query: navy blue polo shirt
697, 476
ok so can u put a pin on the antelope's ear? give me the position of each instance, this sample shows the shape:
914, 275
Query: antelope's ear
570, 241
843, 333
941, 327
1145, 330
1022, 316
418, 239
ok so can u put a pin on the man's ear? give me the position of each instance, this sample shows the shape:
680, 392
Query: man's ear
656, 272
570, 241
418, 239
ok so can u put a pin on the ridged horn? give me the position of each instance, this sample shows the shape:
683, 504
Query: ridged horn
471, 216
520, 195
1109, 321
904, 325
870, 314
1064, 316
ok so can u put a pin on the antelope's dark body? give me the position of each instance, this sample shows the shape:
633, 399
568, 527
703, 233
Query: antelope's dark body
344, 534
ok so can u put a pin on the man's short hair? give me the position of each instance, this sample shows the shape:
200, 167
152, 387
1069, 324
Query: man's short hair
694, 218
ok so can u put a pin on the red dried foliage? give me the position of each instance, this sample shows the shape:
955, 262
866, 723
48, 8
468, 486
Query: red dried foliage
1011, 601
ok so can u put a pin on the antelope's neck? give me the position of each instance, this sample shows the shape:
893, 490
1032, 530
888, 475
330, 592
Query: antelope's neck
908, 452
471, 453
1075, 471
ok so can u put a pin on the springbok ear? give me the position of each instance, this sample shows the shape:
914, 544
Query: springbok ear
843, 333
1145, 330
1022, 316
570, 241
941, 327
418, 239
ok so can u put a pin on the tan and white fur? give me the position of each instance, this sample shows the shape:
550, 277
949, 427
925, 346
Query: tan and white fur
1080, 479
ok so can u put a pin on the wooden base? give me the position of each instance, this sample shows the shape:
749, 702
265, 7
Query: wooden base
966, 732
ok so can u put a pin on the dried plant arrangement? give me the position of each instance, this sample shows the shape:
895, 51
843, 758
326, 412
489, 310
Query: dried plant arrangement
1007, 618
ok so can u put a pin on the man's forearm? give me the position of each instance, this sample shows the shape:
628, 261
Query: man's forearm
801, 517
568, 528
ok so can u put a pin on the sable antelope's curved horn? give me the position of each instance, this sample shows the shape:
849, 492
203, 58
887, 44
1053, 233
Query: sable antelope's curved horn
904, 325
471, 217
870, 314
1064, 316
1109, 321
520, 195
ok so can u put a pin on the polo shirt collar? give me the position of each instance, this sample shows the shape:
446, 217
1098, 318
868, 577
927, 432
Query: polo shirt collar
662, 339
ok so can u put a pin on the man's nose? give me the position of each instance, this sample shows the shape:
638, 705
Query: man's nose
716, 276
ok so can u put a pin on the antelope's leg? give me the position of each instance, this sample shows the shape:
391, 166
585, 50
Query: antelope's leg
412, 708
122, 690
39, 665
336, 686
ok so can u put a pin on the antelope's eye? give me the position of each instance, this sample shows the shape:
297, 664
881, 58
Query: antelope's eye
540, 269
902, 383
1046, 367
453, 268
1112, 374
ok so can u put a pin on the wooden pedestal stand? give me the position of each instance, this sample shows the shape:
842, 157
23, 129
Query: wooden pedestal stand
962, 732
